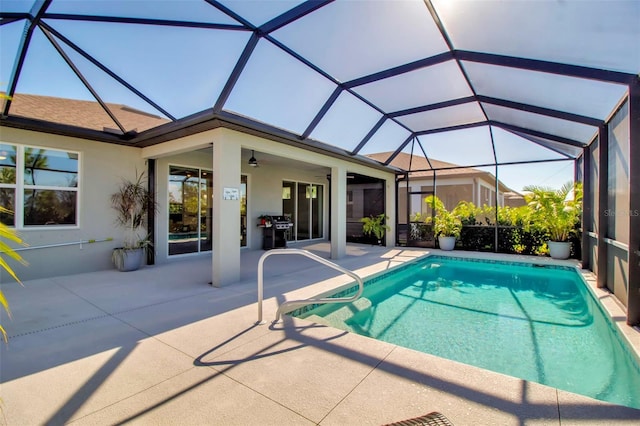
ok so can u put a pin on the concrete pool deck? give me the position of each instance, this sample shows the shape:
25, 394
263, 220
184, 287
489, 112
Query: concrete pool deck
161, 346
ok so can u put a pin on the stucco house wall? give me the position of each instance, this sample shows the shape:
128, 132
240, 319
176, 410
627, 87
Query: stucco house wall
264, 183
103, 165
101, 168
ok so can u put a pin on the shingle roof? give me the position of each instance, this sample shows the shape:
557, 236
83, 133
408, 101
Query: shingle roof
87, 114
423, 167
405, 161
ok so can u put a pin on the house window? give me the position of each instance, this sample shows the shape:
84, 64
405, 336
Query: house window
39, 186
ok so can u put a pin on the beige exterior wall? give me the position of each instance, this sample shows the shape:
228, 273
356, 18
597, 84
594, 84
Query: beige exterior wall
101, 168
264, 194
452, 190
264, 183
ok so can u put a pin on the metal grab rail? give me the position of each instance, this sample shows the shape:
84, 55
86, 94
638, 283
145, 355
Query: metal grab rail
307, 301
70, 243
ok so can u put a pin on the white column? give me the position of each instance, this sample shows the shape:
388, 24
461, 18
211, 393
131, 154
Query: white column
226, 212
338, 212
390, 203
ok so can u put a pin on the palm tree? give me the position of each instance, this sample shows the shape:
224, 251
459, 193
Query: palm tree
7, 233
34, 159
557, 212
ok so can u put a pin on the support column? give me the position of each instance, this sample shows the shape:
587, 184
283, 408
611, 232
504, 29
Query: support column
633, 302
587, 210
151, 216
496, 228
603, 203
226, 212
338, 212
391, 197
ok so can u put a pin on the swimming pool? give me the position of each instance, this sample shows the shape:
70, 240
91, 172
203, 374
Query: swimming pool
538, 323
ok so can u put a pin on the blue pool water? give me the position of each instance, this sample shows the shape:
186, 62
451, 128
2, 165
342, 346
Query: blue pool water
537, 323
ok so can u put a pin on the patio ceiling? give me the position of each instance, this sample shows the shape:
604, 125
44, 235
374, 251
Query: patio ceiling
514, 81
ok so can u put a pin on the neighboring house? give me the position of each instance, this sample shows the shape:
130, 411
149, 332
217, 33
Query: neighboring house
514, 199
58, 178
453, 183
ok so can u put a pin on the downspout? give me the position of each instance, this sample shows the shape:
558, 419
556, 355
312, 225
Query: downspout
151, 211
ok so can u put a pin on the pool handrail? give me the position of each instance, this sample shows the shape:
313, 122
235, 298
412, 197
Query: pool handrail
306, 301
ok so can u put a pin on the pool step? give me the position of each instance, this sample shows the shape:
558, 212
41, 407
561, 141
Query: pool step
345, 312
318, 320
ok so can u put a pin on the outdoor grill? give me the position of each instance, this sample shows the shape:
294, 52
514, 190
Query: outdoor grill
281, 222
274, 236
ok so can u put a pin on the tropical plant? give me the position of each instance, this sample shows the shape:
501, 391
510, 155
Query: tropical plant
468, 213
375, 225
445, 223
9, 234
133, 202
556, 212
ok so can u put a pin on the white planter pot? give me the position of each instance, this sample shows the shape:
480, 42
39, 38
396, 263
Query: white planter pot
446, 243
128, 260
559, 249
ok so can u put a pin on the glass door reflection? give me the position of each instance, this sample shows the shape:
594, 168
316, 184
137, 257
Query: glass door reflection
303, 203
190, 210
243, 211
206, 210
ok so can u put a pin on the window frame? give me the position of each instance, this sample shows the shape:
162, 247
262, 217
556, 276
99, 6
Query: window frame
19, 188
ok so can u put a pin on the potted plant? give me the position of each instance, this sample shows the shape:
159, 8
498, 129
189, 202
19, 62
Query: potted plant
374, 226
557, 213
132, 203
446, 224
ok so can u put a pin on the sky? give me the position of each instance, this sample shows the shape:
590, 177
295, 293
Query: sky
184, 70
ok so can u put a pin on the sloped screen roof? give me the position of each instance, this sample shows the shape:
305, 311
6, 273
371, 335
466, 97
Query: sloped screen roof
497, 82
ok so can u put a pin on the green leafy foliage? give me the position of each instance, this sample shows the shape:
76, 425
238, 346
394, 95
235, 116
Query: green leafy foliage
548, 214
445, 223
375, 225
555, 212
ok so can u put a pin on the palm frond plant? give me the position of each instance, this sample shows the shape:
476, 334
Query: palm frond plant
468, 213
446, 224
556, 212
8, 234
133, 203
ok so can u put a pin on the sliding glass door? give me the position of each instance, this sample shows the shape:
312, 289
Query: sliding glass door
190, 210
303, 203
